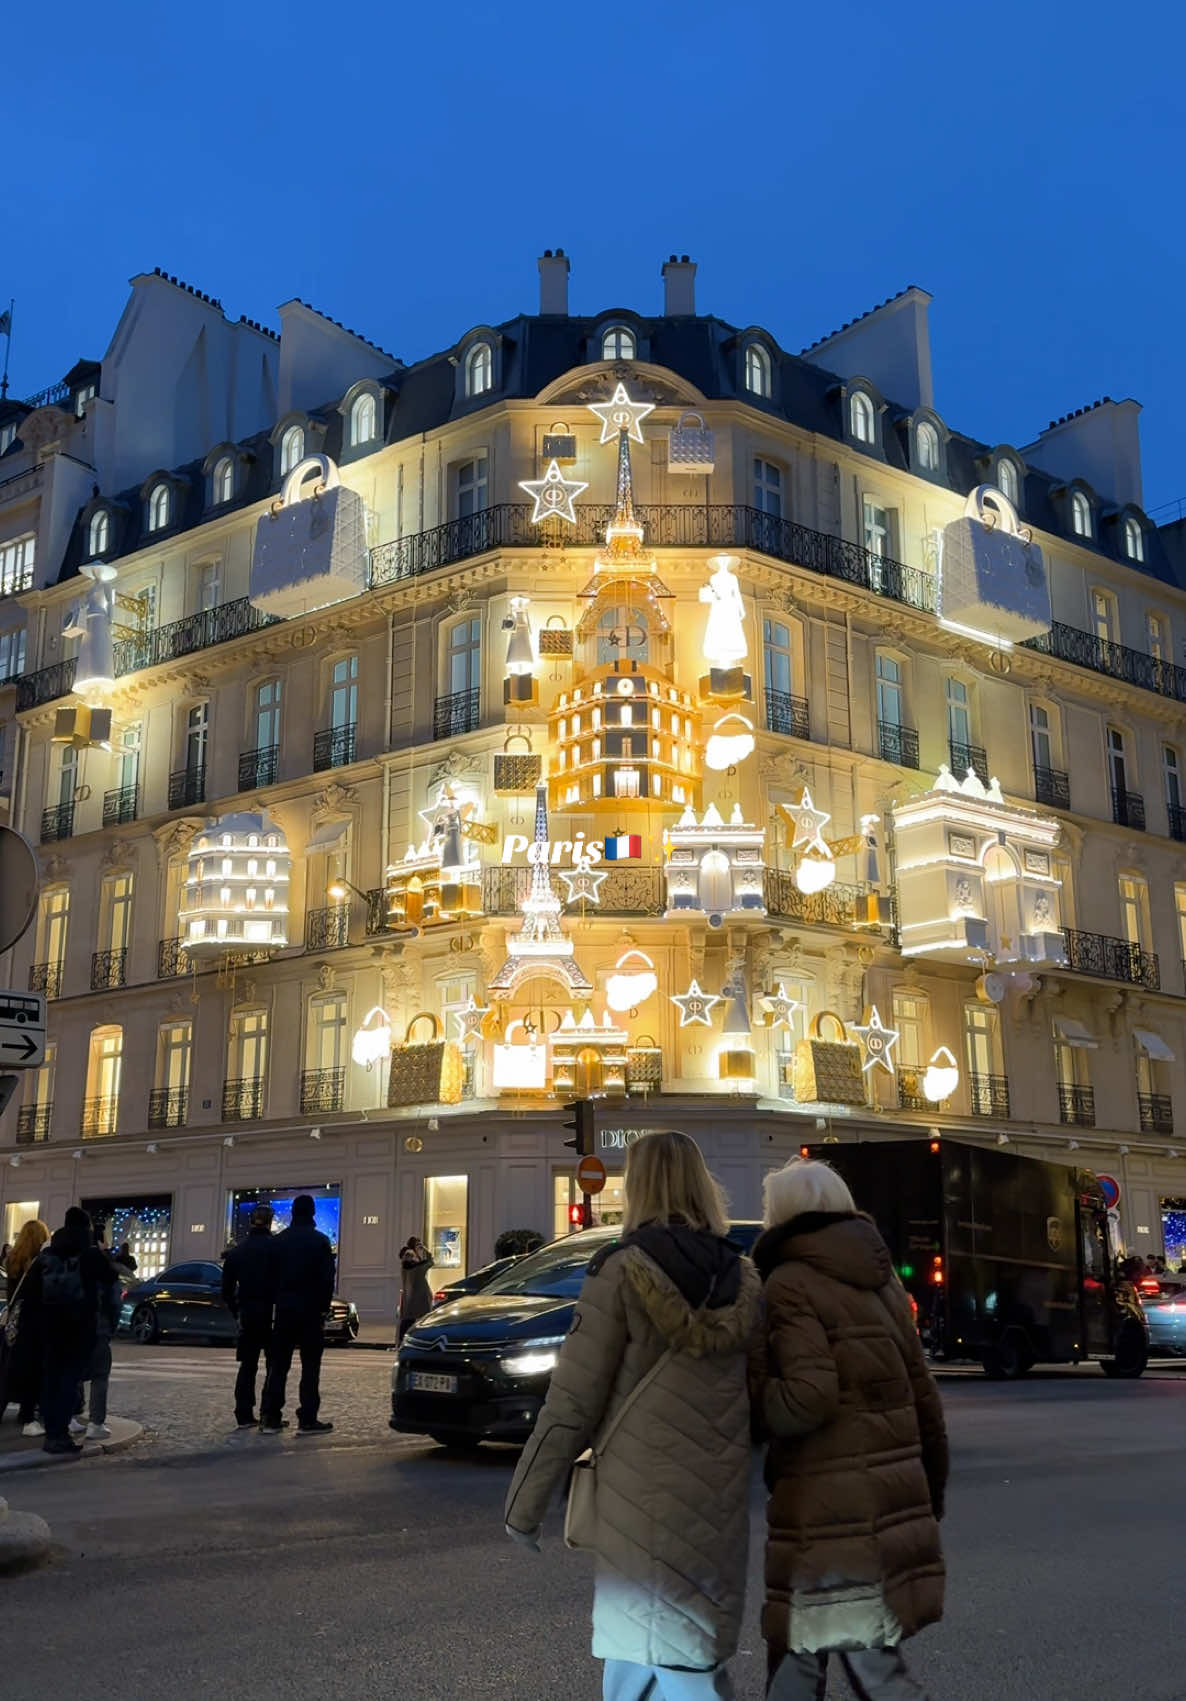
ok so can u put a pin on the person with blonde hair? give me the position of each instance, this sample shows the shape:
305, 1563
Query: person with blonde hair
22, 1378
652, 1376
857, 1458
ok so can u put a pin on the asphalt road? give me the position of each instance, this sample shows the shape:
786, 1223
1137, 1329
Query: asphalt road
368, 1564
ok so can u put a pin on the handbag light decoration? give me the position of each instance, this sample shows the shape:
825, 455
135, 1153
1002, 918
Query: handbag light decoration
516, 771
730, 742
690, 446
428, 1071
644, 1064
521, 1068
992, 579
311, 547
632, 982
828, 1071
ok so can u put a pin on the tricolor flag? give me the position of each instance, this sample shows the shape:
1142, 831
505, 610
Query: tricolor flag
623, 847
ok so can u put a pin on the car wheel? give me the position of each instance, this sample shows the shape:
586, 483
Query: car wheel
457, 1443
1010, 1359
351, 1332
146, 1327
1132, 1354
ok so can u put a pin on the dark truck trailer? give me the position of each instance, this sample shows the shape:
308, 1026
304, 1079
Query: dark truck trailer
1006, 1257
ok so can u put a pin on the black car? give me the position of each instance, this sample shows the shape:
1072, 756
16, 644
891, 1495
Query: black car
186, 1299
478, 1368
475, 1282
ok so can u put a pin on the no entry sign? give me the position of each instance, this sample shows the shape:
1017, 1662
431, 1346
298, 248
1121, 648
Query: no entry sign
591, 1175
1111, 1190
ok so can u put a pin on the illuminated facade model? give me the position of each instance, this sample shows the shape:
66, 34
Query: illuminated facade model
236, 889
714, 867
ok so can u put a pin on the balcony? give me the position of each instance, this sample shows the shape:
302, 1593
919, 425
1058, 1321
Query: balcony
242, 1101
328, 929
34, 1123
1177, 817
1052, 787
455, 714
988, 1095
98, 1117
120, 806
187, 787
168, 1107
1157, 1113
836, 906
171, 959
965, 756
333, 747
1128, 809
627, 891
57, 823
787, 714
1076, 1105
47, 978
1112, 959
898, 743
258, 767
46, 684
322, 1090
109, 969
1118, 661
910, 1093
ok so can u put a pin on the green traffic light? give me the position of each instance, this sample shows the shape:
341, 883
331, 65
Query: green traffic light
906, 1271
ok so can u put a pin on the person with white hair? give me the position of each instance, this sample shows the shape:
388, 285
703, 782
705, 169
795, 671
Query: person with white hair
857, 1459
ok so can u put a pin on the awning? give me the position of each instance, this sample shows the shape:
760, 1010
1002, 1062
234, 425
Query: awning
1153, 1045
1075, 1033
329, 836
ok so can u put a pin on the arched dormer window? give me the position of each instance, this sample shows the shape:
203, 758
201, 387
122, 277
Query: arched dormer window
222, 480
98, 535
927, 439
159, 507
757, 370
292, 449
363, 415
1134, 540
1080, 514
1008, 482
617, 343
479, 370
861, 421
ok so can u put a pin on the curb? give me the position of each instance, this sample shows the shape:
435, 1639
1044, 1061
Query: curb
32, 1459
24, 1540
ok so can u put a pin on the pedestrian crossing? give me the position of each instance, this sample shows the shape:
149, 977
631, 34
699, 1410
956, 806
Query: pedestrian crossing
202, 1366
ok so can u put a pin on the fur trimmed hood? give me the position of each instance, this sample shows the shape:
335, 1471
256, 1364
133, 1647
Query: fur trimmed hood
703, 1330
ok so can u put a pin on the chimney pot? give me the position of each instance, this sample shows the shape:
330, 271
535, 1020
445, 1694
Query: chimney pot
553, 282
679, 287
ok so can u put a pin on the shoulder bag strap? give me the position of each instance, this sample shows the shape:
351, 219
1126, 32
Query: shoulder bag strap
635, 1393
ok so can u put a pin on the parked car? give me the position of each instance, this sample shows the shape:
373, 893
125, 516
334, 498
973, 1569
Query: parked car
477, 1369
475, 1282
186, 1299
1165, 1313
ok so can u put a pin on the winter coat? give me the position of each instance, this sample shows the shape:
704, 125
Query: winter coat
249, 1278
857, 1463
415, 1297
66, 1336
304, 1264
673, 1481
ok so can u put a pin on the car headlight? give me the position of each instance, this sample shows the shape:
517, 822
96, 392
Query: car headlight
533, 1357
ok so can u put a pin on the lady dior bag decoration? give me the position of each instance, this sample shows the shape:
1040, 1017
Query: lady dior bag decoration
516, 771
521, 1068
311, 548
828, 1071
580, 1515
555, 639
690, 447
430, 1071
992, 578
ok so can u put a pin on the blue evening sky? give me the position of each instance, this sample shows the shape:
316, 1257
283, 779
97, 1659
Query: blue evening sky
402, 166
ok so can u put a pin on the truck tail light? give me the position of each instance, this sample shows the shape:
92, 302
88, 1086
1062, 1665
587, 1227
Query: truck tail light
937, 1272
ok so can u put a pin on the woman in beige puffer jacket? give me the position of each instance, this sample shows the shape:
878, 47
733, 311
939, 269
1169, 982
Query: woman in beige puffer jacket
673, 1481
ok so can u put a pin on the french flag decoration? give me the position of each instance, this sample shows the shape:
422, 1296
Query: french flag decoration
623, 847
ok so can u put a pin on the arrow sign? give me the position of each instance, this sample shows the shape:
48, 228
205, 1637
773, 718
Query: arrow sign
22, 1029
24, 1045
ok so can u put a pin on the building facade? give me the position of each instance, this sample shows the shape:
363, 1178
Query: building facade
629, 746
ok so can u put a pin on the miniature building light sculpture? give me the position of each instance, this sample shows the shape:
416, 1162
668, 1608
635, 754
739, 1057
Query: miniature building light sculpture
942, 1076
632, 982
236, 887
372, 1040
715, 868
439, 880
589, 1058
541, 946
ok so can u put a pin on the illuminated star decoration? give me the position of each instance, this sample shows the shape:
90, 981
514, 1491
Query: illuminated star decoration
553, 494
807, 819
781, 1009
621, 414
448, 811
469, 1021
695, 1005
878, 1041
583, 880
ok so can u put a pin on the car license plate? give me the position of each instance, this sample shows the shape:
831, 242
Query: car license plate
427, 1383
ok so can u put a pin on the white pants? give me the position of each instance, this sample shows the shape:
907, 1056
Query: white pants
876, 1674
625, 1681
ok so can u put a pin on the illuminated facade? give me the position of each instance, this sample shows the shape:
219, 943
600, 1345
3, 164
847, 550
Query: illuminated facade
640, 695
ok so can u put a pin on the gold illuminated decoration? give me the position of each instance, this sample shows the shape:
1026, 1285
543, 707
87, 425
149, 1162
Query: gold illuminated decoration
714, 867
878, 1042
540, 946
589, 1058
695, 1006
439, 880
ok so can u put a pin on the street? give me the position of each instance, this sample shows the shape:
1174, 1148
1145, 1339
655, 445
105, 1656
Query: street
367, 1563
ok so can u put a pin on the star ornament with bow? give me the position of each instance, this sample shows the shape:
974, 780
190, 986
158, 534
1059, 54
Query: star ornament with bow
878, 1041
583, 880
781, 1009
806, 819
695, 1006
469, 1021
621, 414
553, 495
448, 810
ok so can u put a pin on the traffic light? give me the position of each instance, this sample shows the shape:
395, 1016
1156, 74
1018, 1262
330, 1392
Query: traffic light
581, 1123
576, 1216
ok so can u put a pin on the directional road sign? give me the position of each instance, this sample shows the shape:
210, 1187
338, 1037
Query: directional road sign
22, 1029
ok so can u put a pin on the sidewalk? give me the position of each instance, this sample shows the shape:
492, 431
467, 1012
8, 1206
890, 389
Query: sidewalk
376, 1337
27, 1453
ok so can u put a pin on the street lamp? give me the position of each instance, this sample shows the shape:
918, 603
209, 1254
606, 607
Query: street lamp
339, 890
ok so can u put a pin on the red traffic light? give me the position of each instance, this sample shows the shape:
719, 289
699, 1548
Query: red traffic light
576, 1216
804, 1151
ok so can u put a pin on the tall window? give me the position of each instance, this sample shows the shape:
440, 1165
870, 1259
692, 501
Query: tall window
1134, 540
778, 657
197, 727
12, 653
1156, 641
757, 370
16, 565
1040, 741
292, 449
222, 484
87, 393
116, 910
267, 714
343, 695
1103, 614
52, 920
910, 1019
767, 487
1117, 760
7, 435
1172, 773
98, 532
1070, 1062
209, 584
471, 486
1134, 910
174, 1056
889, 690
927, 441
1007, 481
479, 370
362, 418
879, 529
959, 713
104, 1068
247, 1052
617, 343
128, 756
158, 507
39, 1089
67, 775
860, 417
982, 1040
465, 656
326, 1043
1180, 912
1080, 514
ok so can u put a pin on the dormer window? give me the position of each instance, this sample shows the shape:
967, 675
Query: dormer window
1007, 481
292, 449
7, 435
98, 533
927, 439
860, 417
757, 370
362, 419
222, 481
1134, 540
479, 370
1080, 514
86, 394
159, 505
617, 343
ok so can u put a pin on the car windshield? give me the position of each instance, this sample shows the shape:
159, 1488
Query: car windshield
554, 1272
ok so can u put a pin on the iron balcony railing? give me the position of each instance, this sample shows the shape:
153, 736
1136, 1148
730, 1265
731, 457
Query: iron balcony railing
34, 1123
1112, 959
898, 743
322, 1089
51, 396
47, 978
376, 921
171, 959
1128, 808
46, 684
787, 714
98, 1117
258, 767
187, 787
1157, 1113
836, 906
635, 890
333, 747
1052, 787
243, 1100
988, 1095
1118, 661
120, 805
109, 969
1076, 1105
57, 823
1177, 817
964, 756
910, 1093
455, 714
328, 929
168, 1107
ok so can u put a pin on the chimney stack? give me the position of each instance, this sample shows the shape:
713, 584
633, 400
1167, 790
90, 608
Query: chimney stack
553, 281
679, 287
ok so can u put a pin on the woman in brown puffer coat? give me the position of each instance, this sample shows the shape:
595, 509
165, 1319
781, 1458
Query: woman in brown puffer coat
857, 1463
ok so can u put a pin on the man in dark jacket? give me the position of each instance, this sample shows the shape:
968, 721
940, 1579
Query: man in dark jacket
249, 1293
304, 1266
68, 1280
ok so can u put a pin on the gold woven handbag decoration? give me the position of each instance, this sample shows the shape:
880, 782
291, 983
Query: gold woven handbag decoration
554, 640
516, 771
828, 1071
428, 1071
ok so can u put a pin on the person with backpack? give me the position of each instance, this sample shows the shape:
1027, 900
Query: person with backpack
69, 1279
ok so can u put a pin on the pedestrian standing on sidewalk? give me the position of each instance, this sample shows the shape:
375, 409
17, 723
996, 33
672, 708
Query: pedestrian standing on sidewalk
99, 1369
23, 1324
249, 1293
652, 1376
857, 1462
304, 1266
66, 1282
415, 1298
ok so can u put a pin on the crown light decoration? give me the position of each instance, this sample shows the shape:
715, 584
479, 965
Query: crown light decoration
541, 946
